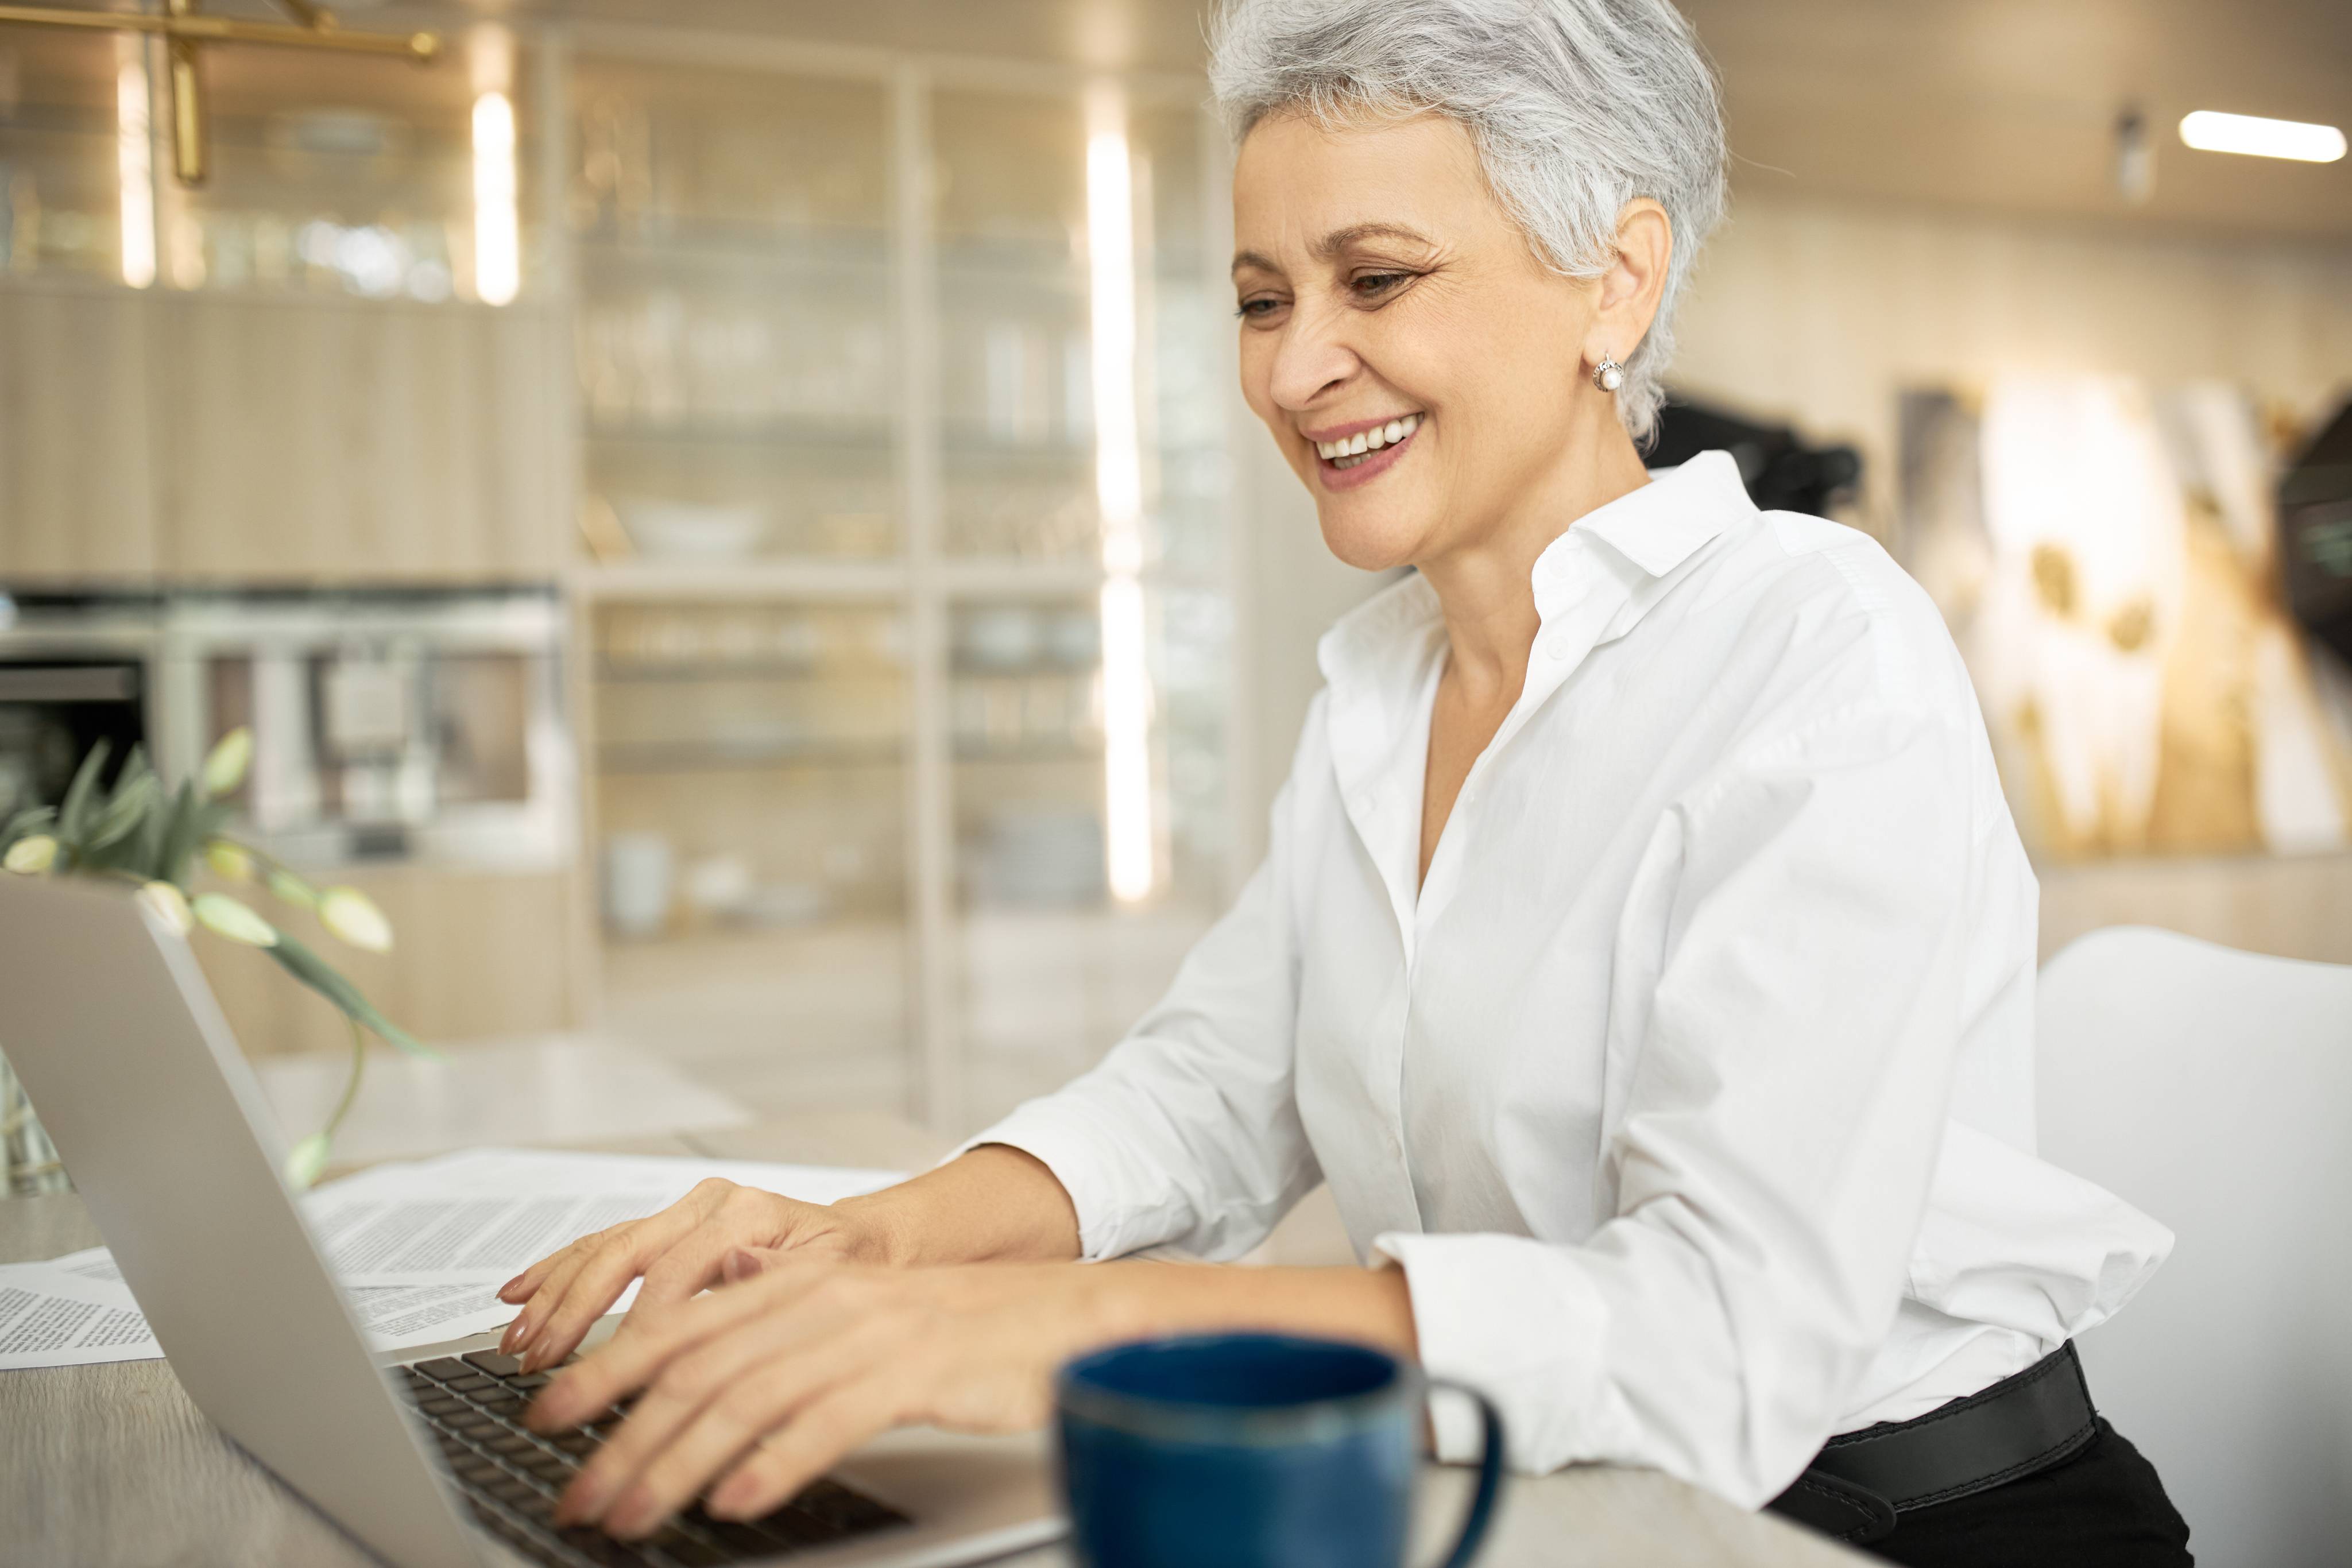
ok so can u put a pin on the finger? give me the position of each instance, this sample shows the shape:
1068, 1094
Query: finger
686, 1269
564, 1268
556, 1285
750, 1263
736, 1419
692, 1381
549, 1274
597, 1282
828, 1428
520, 1287
622, 1366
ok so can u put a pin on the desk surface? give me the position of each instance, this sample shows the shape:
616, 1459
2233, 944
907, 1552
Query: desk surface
112, 1465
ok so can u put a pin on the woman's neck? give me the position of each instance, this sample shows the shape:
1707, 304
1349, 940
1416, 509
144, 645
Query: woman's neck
1485, 583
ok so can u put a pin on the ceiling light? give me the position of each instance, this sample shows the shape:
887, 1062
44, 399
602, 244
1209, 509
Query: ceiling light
2259, 138
1130, 837
498, 242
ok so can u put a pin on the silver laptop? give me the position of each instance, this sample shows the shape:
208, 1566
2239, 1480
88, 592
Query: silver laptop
109, 1023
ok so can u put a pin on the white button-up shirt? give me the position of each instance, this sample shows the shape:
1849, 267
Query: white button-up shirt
1694, 1088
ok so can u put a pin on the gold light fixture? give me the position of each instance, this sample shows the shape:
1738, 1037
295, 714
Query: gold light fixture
186, 33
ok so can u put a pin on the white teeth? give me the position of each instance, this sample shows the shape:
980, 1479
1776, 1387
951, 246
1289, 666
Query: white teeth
1343, 454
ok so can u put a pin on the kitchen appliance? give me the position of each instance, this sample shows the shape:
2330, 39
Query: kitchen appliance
74, 670
388, 725
420, 725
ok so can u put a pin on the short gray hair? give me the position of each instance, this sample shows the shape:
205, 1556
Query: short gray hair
1577, 107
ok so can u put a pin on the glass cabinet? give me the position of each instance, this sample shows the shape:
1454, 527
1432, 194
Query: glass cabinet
1016, 396
75, 182
736, 342
750, 760
890, 470
333, 174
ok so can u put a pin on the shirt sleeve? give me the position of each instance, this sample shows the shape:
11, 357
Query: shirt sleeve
1770, 1134
1187, 1133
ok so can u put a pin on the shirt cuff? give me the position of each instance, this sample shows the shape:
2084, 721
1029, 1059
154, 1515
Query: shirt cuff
1113, 1219
1521, 1323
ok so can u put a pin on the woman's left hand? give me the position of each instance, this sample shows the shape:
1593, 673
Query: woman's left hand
762, 1385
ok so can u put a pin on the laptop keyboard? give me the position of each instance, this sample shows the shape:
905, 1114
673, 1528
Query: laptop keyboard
511, 1478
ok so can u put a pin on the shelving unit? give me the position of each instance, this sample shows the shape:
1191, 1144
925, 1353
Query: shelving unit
864, 350
841, 303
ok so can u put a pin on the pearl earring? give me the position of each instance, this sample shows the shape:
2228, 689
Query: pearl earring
1608, 375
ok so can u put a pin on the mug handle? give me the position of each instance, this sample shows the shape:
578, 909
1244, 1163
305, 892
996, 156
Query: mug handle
1490, 1477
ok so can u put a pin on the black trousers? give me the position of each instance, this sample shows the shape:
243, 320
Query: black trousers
2104, 1508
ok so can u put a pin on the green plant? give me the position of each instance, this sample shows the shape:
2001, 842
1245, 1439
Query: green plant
140, 833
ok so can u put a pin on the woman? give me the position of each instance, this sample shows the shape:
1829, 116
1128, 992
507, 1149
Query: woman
1644, 953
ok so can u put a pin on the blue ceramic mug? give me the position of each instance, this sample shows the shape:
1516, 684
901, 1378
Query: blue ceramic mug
1250, 1451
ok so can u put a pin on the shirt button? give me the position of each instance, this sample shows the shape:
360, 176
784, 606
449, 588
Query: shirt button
1556, 643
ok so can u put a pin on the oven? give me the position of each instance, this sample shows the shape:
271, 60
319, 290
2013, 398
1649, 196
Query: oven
75, 670
421, 726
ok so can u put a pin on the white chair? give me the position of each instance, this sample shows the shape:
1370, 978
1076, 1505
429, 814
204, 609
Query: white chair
2212, 1089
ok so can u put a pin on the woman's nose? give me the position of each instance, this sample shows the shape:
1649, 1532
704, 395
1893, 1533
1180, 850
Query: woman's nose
1312, 358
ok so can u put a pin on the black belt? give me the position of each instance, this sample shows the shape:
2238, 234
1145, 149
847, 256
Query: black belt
1861, 1480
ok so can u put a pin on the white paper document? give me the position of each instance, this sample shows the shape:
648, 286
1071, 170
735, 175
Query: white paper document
52, 1318
421, 1248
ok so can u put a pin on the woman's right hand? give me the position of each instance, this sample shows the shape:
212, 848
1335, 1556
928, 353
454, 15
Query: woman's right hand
678, 1253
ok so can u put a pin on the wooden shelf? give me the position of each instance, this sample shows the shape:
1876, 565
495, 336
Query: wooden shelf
1034, 751
831, 577
786, 432
759, 249
983, 576
711, 755
773, 576
636, 672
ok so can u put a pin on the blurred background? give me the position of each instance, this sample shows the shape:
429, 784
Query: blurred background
733, 521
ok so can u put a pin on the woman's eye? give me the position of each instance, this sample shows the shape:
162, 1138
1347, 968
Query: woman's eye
1259, 307
1372, 285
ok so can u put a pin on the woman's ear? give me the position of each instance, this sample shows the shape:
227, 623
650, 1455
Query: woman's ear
1631, 288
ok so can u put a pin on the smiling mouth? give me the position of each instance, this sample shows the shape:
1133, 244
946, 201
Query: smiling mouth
1359, 447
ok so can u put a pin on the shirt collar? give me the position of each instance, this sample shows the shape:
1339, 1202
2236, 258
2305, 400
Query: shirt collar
1667, 521
1655, 528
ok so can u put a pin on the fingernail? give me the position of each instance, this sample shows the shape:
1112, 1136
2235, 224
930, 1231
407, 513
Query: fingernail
732, 1499
509, 1285
582, 1503
507, 1341
634, 1515
741, 1265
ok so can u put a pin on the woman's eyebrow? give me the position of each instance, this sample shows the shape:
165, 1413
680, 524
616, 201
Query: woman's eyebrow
1337, 240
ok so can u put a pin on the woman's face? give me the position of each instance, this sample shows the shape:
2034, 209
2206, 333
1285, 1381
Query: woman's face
1383, 288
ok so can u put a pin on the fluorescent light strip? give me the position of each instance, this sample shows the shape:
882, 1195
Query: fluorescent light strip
497, 238
2208, 132
134, 168
1128, 838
